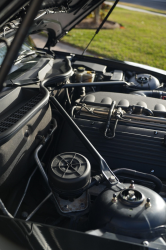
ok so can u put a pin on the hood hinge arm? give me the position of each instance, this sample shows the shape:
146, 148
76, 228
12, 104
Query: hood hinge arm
102, 23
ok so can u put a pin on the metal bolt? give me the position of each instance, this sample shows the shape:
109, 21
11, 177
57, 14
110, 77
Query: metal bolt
131, 193
82, 205
145, 243
26, 133
148, 204
132, 184
24, 214
92, 123
114, 199
155, 132
112, 178
152, 171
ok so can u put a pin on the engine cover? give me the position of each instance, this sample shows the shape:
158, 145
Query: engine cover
134, 147
139, 146
124, 100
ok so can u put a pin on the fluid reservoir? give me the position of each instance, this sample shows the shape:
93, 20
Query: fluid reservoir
81, 75
88, 76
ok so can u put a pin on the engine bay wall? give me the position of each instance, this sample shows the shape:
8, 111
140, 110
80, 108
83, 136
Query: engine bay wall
16, 155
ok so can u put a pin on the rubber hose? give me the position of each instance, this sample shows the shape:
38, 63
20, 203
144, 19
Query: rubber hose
150, 93
146, 176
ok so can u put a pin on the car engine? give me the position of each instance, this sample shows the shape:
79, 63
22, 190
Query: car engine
84, 148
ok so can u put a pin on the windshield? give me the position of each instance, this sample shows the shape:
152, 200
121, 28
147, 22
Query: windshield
3, 50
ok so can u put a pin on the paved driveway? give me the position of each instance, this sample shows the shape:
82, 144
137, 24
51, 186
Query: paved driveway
156, 4
40, 41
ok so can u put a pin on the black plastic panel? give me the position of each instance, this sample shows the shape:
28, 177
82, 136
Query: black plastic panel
17, 108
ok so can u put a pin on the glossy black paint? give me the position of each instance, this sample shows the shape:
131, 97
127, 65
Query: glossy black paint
16, 234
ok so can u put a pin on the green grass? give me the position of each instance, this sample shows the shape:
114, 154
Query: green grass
143, 40
143, 7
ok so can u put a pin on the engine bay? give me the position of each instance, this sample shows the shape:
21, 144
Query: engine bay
83, 148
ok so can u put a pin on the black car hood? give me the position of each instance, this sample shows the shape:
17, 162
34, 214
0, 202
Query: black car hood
56, 17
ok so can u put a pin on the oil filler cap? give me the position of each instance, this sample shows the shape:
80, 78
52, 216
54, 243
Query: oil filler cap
69, 174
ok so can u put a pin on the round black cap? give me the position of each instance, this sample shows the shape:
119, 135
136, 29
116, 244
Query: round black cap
69, 173
81, 69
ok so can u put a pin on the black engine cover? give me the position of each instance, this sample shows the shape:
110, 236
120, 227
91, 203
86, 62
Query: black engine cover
134, 147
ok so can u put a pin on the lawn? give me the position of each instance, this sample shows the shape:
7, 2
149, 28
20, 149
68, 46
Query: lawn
142, 40
143, 7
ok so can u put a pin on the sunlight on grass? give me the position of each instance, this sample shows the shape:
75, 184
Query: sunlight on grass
143, 39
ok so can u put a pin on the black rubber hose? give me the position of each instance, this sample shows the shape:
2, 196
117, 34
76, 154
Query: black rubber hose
150, 93
96, 180
149, 177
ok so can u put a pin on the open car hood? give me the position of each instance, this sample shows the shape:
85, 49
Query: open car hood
56, 17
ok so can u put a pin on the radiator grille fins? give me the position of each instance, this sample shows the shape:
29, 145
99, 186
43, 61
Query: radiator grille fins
17, 115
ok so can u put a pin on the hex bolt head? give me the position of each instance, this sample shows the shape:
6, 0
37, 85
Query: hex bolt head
145, 243
26, 133
24, 214
114, 199
132, 184
82, 205
112, 178
131, 193
148, 204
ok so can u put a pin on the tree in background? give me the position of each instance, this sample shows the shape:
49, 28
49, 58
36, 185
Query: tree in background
97, 15
100, 12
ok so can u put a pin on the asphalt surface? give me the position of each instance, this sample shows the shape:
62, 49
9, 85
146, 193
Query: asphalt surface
137, 9
155, 4
40, 41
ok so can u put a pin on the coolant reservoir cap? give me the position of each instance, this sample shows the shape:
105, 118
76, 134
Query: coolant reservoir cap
131, 197
81, 69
